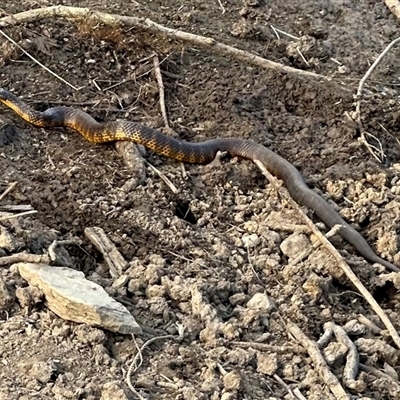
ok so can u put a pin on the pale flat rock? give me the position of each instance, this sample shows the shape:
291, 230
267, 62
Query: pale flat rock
72, 297
294, 245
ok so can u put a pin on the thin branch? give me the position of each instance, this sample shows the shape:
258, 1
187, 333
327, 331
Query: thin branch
8, 217
222, 7
319, 363
368, 73
25, 257
350, 369
50, 257
36, 61
114, 259
8, 190
380, 374
269, 347
113, 20
160, 82
373, 150
173, 188
138, 359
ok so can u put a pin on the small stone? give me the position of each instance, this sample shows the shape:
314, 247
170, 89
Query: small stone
120, 282
238, 298
294, 245
209, 334
155, 291
229, 330
316, 285
396, 280
189, 393
379, 349
334, 353
232, 380
41, 371
342, 69
135, 285
88, 335
7, 241
239, 357
113, 391
267, 363
209, 378
62, 331
250, 226
157, 260
250, 241
179, 293
158, 306
258, 308
64, 392
353, 327
326, 314
29, 296
72, 297
261, 302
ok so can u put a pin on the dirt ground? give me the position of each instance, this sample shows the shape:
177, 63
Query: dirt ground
198, 257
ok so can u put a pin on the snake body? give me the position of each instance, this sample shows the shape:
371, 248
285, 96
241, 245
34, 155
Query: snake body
198, 153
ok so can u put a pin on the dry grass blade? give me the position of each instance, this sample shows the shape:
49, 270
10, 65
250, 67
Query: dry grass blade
375, 152
36, 61
138, 359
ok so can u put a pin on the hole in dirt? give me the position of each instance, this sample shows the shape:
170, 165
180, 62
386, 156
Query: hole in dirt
385, 293
182, 211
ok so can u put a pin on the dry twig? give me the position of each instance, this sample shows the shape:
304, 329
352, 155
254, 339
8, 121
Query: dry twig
23, 214
333, 251
350, 369
113, 20
269, 347
380, 374
173, 188
8, 190
25, 257
222, 7
357, 115
298, 396
50, 258
157, 70
36, 61
369, 324
319, 363
114, 259
10, 208
138, 359
134, 161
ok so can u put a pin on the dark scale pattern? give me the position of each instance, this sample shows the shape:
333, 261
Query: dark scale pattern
198, 153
